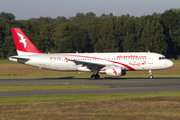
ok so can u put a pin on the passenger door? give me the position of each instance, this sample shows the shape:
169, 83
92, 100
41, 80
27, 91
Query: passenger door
150, 58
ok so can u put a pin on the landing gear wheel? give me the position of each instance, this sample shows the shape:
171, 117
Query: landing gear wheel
151, 77
93, 77
97, 76
150, 74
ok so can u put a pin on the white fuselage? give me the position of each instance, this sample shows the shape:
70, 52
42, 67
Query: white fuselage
65, 61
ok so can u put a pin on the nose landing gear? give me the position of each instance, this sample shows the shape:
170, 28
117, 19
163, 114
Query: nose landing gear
150, 74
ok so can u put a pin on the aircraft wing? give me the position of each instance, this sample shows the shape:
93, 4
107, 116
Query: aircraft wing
89, 65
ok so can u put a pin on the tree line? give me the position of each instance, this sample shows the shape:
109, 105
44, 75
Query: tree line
158, 33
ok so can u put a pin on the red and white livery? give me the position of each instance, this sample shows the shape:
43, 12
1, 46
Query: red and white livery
112, 64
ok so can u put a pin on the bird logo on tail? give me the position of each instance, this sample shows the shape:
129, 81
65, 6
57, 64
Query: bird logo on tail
22, 40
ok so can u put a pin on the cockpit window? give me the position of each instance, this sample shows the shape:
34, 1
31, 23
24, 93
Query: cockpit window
162, 58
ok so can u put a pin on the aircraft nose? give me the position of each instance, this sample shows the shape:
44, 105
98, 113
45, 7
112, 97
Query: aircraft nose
170, 63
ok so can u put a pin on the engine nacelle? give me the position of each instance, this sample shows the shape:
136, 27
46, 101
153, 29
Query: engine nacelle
116, 71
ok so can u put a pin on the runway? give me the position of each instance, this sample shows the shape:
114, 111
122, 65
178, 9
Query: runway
121, 85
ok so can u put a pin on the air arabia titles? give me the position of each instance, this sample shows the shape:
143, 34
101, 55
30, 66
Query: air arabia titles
131, 56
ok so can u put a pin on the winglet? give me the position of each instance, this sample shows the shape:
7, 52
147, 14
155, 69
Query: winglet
23, 45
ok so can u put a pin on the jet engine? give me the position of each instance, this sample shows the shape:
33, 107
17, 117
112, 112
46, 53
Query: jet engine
116, 71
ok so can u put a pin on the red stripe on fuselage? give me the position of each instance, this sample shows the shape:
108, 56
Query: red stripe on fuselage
129, 67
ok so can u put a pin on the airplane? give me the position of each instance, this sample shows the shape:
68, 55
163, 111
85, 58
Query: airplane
111, 64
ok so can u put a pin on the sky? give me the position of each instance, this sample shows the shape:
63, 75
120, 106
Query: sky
25, 9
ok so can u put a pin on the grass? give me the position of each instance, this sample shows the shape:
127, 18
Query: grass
80, 98
5, 61
175, 61
6, 88
162, 105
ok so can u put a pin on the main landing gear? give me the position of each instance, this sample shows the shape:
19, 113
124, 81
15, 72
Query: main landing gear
150, 74
96, 76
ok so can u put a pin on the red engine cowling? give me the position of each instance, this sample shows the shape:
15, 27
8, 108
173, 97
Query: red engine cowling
117, 71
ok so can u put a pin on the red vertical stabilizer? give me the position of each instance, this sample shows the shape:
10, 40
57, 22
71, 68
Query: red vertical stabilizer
23, 45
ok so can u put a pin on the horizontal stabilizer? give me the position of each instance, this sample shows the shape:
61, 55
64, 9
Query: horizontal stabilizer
19, 59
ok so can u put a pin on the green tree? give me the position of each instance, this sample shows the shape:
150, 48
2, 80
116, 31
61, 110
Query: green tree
79, 17
92, 26
45, 41
107, 40
170, 20
90, 15
1, 44
129, 38
8, 16
153, 37
59, 21
71, 37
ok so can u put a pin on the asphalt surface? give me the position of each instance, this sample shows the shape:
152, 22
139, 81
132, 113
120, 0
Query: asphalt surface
121, 85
